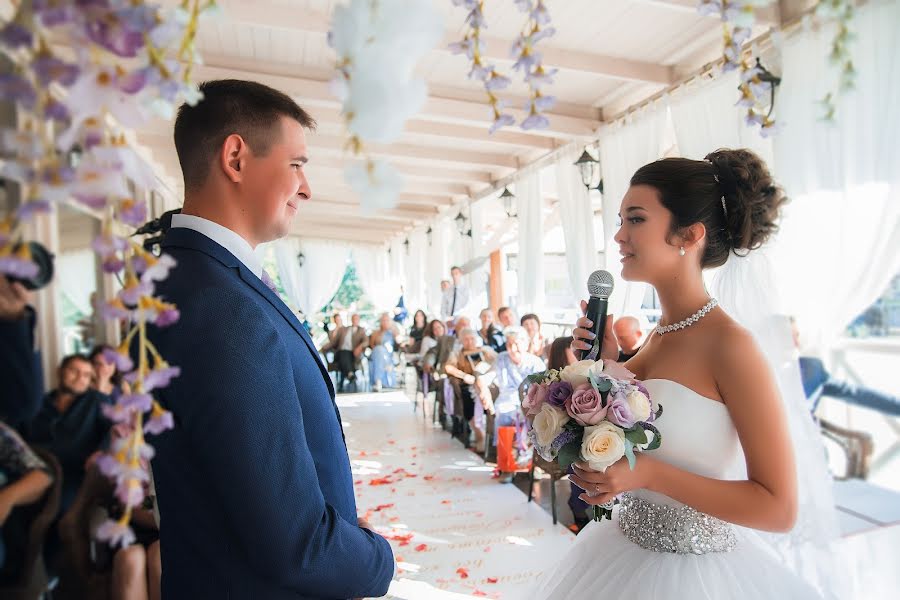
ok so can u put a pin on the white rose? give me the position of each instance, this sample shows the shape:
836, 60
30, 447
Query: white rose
602, 445
548, 424
577, 373
639, 405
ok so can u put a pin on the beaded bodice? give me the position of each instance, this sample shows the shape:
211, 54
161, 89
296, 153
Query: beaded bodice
698, 436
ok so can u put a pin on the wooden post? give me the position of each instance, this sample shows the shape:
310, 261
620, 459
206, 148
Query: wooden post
496, 282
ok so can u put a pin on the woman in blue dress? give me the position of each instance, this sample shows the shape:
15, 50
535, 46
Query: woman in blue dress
381, 361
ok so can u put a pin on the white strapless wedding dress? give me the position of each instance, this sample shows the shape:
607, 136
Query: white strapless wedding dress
658, 549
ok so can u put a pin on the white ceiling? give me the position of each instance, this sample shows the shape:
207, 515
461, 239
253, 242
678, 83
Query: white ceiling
611, 54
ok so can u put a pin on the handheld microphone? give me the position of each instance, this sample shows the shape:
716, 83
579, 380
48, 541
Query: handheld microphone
600, 287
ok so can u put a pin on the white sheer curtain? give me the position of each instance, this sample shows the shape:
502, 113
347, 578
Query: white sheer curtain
416, 261
310, 287
530, 267
577, 217
840, 241
375, 277
438, 263
705, 118
623, 150
75, 272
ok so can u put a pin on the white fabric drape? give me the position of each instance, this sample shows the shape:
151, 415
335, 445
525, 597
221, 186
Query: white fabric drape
310, 287
416, 260
438, 263
75, 274
705, 118
577, 217
623, 150
530, 268
375, 277
840, 241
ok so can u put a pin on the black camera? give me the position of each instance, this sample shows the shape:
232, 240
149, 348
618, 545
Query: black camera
156, 229
43, 258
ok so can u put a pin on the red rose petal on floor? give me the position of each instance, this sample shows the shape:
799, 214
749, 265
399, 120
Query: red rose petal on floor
357, 482
463, 573
445, 502
393, 519
487, 549
428, 478
479, 593
421, 547
492, 580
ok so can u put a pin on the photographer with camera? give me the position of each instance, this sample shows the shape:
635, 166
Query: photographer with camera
20, 372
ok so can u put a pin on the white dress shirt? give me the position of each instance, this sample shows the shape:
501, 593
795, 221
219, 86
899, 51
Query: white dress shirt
448, 308
225, 237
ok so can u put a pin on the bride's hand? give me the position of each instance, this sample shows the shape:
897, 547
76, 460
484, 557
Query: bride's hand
617, 479
584, 338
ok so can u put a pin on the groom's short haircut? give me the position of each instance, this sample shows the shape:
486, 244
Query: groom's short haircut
249, 109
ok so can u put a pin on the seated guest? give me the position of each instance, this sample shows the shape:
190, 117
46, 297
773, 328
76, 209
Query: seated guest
507, 317
348, 346
417, 331
460, 324
337, 322
535, 343
628, 335
512, 367
490, 335
382, 342
433, 332
818, 383
463, 365
107, 379
561, 355
70, 424
24, 478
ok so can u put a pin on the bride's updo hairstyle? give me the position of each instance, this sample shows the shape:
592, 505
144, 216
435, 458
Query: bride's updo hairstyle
693, 191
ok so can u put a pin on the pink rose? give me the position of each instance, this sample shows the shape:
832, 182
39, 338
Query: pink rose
537, 395
586, 406
616, 370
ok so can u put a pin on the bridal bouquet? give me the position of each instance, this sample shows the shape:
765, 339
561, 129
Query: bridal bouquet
595, 412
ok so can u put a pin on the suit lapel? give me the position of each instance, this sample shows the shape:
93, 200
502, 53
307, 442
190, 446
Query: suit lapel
195, 240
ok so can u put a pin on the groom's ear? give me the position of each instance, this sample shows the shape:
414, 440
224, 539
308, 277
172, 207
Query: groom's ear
233, 156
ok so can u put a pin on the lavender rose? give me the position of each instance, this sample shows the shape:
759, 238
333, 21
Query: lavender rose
537, 395
619, 411
560, 391
586, 406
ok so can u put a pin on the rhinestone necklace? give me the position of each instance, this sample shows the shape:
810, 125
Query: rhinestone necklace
690, 320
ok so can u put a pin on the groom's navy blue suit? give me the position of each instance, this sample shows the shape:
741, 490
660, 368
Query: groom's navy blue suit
254, 485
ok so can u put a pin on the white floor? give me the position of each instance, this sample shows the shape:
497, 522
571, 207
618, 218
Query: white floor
456, 532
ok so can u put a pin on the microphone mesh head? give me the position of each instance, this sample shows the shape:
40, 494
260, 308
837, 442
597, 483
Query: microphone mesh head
600, 284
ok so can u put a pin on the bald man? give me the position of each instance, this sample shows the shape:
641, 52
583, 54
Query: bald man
628, 334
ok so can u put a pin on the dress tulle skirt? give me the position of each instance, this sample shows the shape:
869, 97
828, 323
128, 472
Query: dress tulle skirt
604, 565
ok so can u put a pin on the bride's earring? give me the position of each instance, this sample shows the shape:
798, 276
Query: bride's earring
681, 251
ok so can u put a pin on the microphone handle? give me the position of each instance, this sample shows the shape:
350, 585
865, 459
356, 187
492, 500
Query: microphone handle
596, 312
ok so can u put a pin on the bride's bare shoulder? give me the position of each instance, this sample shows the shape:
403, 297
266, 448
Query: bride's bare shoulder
735, 351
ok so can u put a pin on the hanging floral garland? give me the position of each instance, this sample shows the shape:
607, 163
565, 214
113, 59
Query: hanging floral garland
527, 59
81, 71
378, 43
841, 12
756, 88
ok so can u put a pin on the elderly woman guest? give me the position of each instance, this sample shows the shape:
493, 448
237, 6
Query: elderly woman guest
465, 365
512, 367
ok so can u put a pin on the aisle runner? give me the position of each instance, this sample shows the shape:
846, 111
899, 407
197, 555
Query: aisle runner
456, 532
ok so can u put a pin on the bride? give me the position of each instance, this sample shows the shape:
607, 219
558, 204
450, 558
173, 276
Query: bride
684, 528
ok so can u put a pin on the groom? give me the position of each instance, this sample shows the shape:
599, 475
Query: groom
254, 485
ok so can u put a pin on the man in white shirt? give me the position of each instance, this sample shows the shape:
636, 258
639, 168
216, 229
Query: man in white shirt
455, 298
